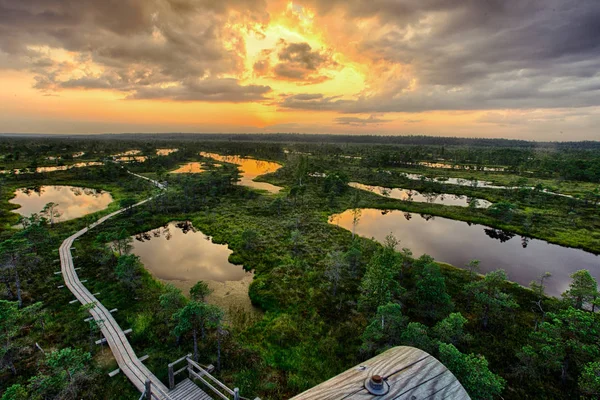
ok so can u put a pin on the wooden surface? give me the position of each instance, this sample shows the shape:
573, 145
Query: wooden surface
187, 390
128, 362
411, 374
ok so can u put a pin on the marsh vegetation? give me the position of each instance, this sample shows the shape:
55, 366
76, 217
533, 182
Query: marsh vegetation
452, 279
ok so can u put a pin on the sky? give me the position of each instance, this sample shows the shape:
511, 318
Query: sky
526, 69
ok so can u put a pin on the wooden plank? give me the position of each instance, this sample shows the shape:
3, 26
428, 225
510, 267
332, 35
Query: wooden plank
452, 391
114, 373
410, 373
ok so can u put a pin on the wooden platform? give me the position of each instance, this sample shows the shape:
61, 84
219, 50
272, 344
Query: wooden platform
410, 373
187, 390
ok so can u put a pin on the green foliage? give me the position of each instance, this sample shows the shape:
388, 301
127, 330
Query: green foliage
582, 289
12, 321
417, 335
15, 392
503, 210
335, 184
197, 316
472, 372
69, 361
568, 339
380, 285
250, 239
385, 329
66, 371
432, 299
589, 381
172, 299
490, 301
199, 291
452, 330
128, 271
336, 270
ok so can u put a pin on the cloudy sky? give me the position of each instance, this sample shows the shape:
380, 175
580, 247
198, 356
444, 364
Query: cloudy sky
525, 69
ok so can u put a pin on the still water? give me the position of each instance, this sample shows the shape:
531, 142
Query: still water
182, 255
441, 165
165, 152
413, 195
474, 183
72, 202
189, 168
457, 242
250, 169
55, 168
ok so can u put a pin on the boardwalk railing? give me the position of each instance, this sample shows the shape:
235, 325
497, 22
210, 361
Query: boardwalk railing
197, 372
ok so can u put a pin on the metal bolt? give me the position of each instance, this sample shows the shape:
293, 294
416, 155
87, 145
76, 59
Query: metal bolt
376, 385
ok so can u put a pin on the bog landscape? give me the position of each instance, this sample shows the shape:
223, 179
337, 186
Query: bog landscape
299, 199
283, 260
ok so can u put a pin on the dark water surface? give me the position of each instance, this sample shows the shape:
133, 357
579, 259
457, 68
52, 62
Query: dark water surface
181, 255
180, 252
413, 195
456, 243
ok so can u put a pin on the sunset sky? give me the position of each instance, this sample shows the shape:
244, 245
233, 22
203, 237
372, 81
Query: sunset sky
526, 69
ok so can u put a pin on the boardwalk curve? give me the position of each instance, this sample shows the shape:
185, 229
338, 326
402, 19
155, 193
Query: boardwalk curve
124, 354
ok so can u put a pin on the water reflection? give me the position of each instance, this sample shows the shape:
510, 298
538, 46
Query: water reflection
54, 168
72, 202
130, 159
413, 195
178, 251
129, 156
473, 183
441, 165
165, 152
75, 155
127, 153
189, 168
457, 243
250, 169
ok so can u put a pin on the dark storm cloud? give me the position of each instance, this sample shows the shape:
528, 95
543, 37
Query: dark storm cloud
477, 54
217, 90
140, 44
315, 102
296, 62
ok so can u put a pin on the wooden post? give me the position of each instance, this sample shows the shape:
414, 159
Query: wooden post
236, 394
171, 378
148, 389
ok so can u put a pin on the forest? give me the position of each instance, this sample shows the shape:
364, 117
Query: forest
324, 296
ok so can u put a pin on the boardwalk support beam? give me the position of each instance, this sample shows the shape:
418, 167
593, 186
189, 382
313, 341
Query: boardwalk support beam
148, 389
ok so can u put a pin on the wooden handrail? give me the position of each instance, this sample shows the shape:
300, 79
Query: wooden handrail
215, 380
199, 377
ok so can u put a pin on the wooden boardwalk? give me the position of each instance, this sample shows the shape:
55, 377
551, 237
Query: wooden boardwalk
126, 358
187, 390
408, 373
